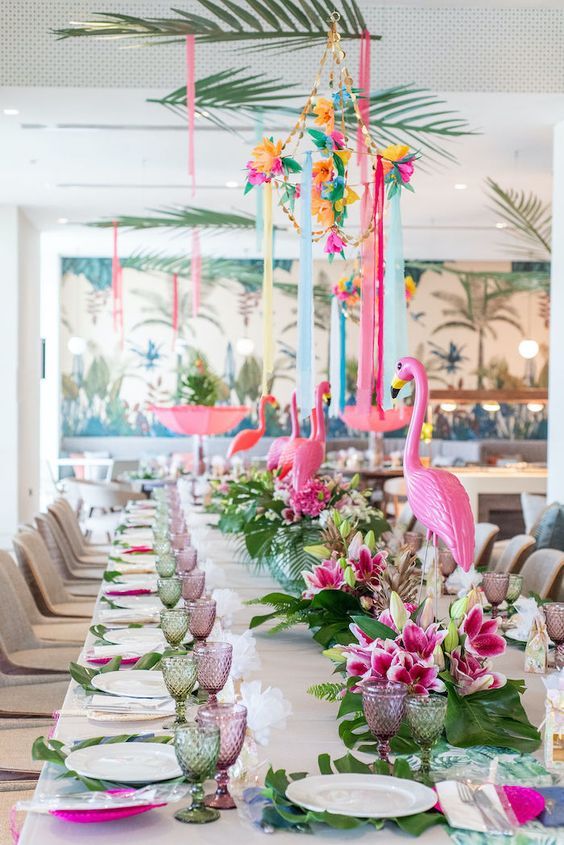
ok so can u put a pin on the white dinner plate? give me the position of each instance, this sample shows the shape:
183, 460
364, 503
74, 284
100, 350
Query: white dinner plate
125, 762
136, 637
138, 683
364, 796
148, 603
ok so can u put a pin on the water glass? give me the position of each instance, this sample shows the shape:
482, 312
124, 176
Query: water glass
202, 616
174, 625
162, 546
193, 584
178, 539
165, 565
554, 615
180, 673
514, 589
197, 749
214, 664
231, 719
425, 716
383, 703
495, 586
413, 540
186, 559
170, 590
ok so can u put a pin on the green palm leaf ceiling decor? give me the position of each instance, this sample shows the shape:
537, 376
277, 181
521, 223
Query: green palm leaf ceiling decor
528, 218
254, 24
503, 283
185, 217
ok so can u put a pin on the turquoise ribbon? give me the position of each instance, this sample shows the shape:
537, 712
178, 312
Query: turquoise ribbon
395, 307
305, 353
343, 360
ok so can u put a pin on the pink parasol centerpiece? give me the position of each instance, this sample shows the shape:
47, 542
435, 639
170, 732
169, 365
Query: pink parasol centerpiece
374, 420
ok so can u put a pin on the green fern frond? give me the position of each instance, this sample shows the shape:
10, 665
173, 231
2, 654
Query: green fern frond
327, 691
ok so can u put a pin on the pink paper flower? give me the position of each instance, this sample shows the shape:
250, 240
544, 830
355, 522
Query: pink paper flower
255, 177
482, 639
368, 567
406, 169
325, 576
422, 642
334, 243
338, 139
470, 675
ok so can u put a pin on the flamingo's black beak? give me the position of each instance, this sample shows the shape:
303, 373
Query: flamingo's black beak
327, 398
396, 386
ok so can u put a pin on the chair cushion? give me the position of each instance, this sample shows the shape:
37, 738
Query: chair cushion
549, 531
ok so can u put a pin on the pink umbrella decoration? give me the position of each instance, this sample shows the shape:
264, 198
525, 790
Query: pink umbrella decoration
391, 420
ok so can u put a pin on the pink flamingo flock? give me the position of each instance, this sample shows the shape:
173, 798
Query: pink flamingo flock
309, 454
436, 497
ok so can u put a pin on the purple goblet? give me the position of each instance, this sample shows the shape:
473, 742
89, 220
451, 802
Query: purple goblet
383, 702
186, 559
193, 584
214, 663
178, 540
554, 615
231, 719
495, 586
202, 616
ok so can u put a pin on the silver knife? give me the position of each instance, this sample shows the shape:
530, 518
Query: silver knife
485, 805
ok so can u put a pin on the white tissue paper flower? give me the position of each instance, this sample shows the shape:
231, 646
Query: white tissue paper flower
526, 609
215, 574
228, 602
266, 709
245, 657
462, 582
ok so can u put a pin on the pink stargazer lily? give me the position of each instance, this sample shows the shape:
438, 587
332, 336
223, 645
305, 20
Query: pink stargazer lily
422, 642
471, 675
482, 639
368, 567
386, 617
389, 659
325, 576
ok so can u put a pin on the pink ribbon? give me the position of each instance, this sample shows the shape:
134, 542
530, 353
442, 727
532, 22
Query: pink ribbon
365, 377
191, 106
363, 103
196, 272
379, 262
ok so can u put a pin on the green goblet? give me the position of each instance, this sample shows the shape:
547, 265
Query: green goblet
174, 625
180, 673
514, 588
162, 546
170, 590
197, 749
425, 715
166, 565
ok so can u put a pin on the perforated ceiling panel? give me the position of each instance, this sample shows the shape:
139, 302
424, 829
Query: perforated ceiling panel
443, 48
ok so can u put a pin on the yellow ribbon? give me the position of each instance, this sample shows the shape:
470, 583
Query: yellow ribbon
267, 289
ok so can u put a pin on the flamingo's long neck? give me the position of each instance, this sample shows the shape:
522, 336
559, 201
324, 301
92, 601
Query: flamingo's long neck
313, 421
320, 418
262, 416
294, 417
412, 460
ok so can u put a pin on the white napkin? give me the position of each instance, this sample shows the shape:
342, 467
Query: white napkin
126, 617
136, 536
146, 558
137, 705
130, 651
133, 568
466, 816
461, 582
522, 621
115, 587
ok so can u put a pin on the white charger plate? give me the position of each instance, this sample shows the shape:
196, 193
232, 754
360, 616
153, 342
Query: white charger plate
138, 683
149, 603
125, 762
136, 637
363, 796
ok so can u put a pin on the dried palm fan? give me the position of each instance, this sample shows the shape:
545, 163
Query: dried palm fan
401, 577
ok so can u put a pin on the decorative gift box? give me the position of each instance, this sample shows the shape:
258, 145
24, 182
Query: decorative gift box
554, 722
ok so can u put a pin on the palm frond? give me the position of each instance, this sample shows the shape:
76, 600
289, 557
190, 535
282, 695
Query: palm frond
327, 691
255, 24
504, 281
185, 217
529, 218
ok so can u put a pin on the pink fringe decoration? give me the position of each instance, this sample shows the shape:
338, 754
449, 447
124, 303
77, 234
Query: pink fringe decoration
196, 272
363, 103
191, 106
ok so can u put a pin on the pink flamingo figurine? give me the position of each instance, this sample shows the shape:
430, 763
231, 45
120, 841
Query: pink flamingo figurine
286, 461
436, 497
310, 455
275, 451
249, 437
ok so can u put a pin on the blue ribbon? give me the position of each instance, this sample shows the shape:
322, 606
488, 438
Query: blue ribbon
343, 360
305, 353
395, 307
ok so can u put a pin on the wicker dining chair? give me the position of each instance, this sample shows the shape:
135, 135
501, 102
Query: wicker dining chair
68, 523
46, 585
80, 582
485, 534
515, 553
395, 495
543, 574
31, 696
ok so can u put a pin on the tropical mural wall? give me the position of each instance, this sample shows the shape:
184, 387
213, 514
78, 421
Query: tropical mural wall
460, 316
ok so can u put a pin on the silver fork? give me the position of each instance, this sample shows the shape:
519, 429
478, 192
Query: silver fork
467, 796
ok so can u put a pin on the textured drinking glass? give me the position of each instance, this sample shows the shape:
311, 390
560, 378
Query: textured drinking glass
197, 749
554, 615
178, 539
495, 585
514, 589
174, 625
169, 590
180, 673
413, 540
193, 584
186, 559
202, 616
425, 715
214, 664
165, 565
231, 719
383, 703
162, 546
177, 524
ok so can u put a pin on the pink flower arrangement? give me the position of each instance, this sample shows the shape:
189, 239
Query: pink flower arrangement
327, 575
311, 500
392, 659
472, 675
482, 639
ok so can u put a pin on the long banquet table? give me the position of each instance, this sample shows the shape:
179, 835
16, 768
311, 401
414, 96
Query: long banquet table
291, 661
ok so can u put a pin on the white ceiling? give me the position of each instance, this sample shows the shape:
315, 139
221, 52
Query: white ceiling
131, 169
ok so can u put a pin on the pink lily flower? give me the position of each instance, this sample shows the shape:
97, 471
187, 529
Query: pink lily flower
482, 639
334, 243
325, 576
470, 675
420, 676
422, 642
368, 567
386, 617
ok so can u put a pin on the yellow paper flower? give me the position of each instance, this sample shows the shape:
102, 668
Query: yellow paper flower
410, 287
265, 154
394, 152
350, 196
322, 171
344, 155
325, 112
322, 209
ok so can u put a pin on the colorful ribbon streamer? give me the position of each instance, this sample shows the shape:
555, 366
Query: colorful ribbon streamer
379, 262
267, 290
337, 359
305, 353
196, 272
395, 306
191, 107
365, 376
174, 307
363, 103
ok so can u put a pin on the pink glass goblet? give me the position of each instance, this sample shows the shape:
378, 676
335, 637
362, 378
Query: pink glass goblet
495, 586
193, 584
413, 540
202, 616
177, 524
231, 719
186, 559
447, 565
383, 702
554, 615
214, 664
178, 540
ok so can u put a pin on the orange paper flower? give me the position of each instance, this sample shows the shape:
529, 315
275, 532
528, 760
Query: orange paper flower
322, 209
322, 171
266, 155
325, 112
